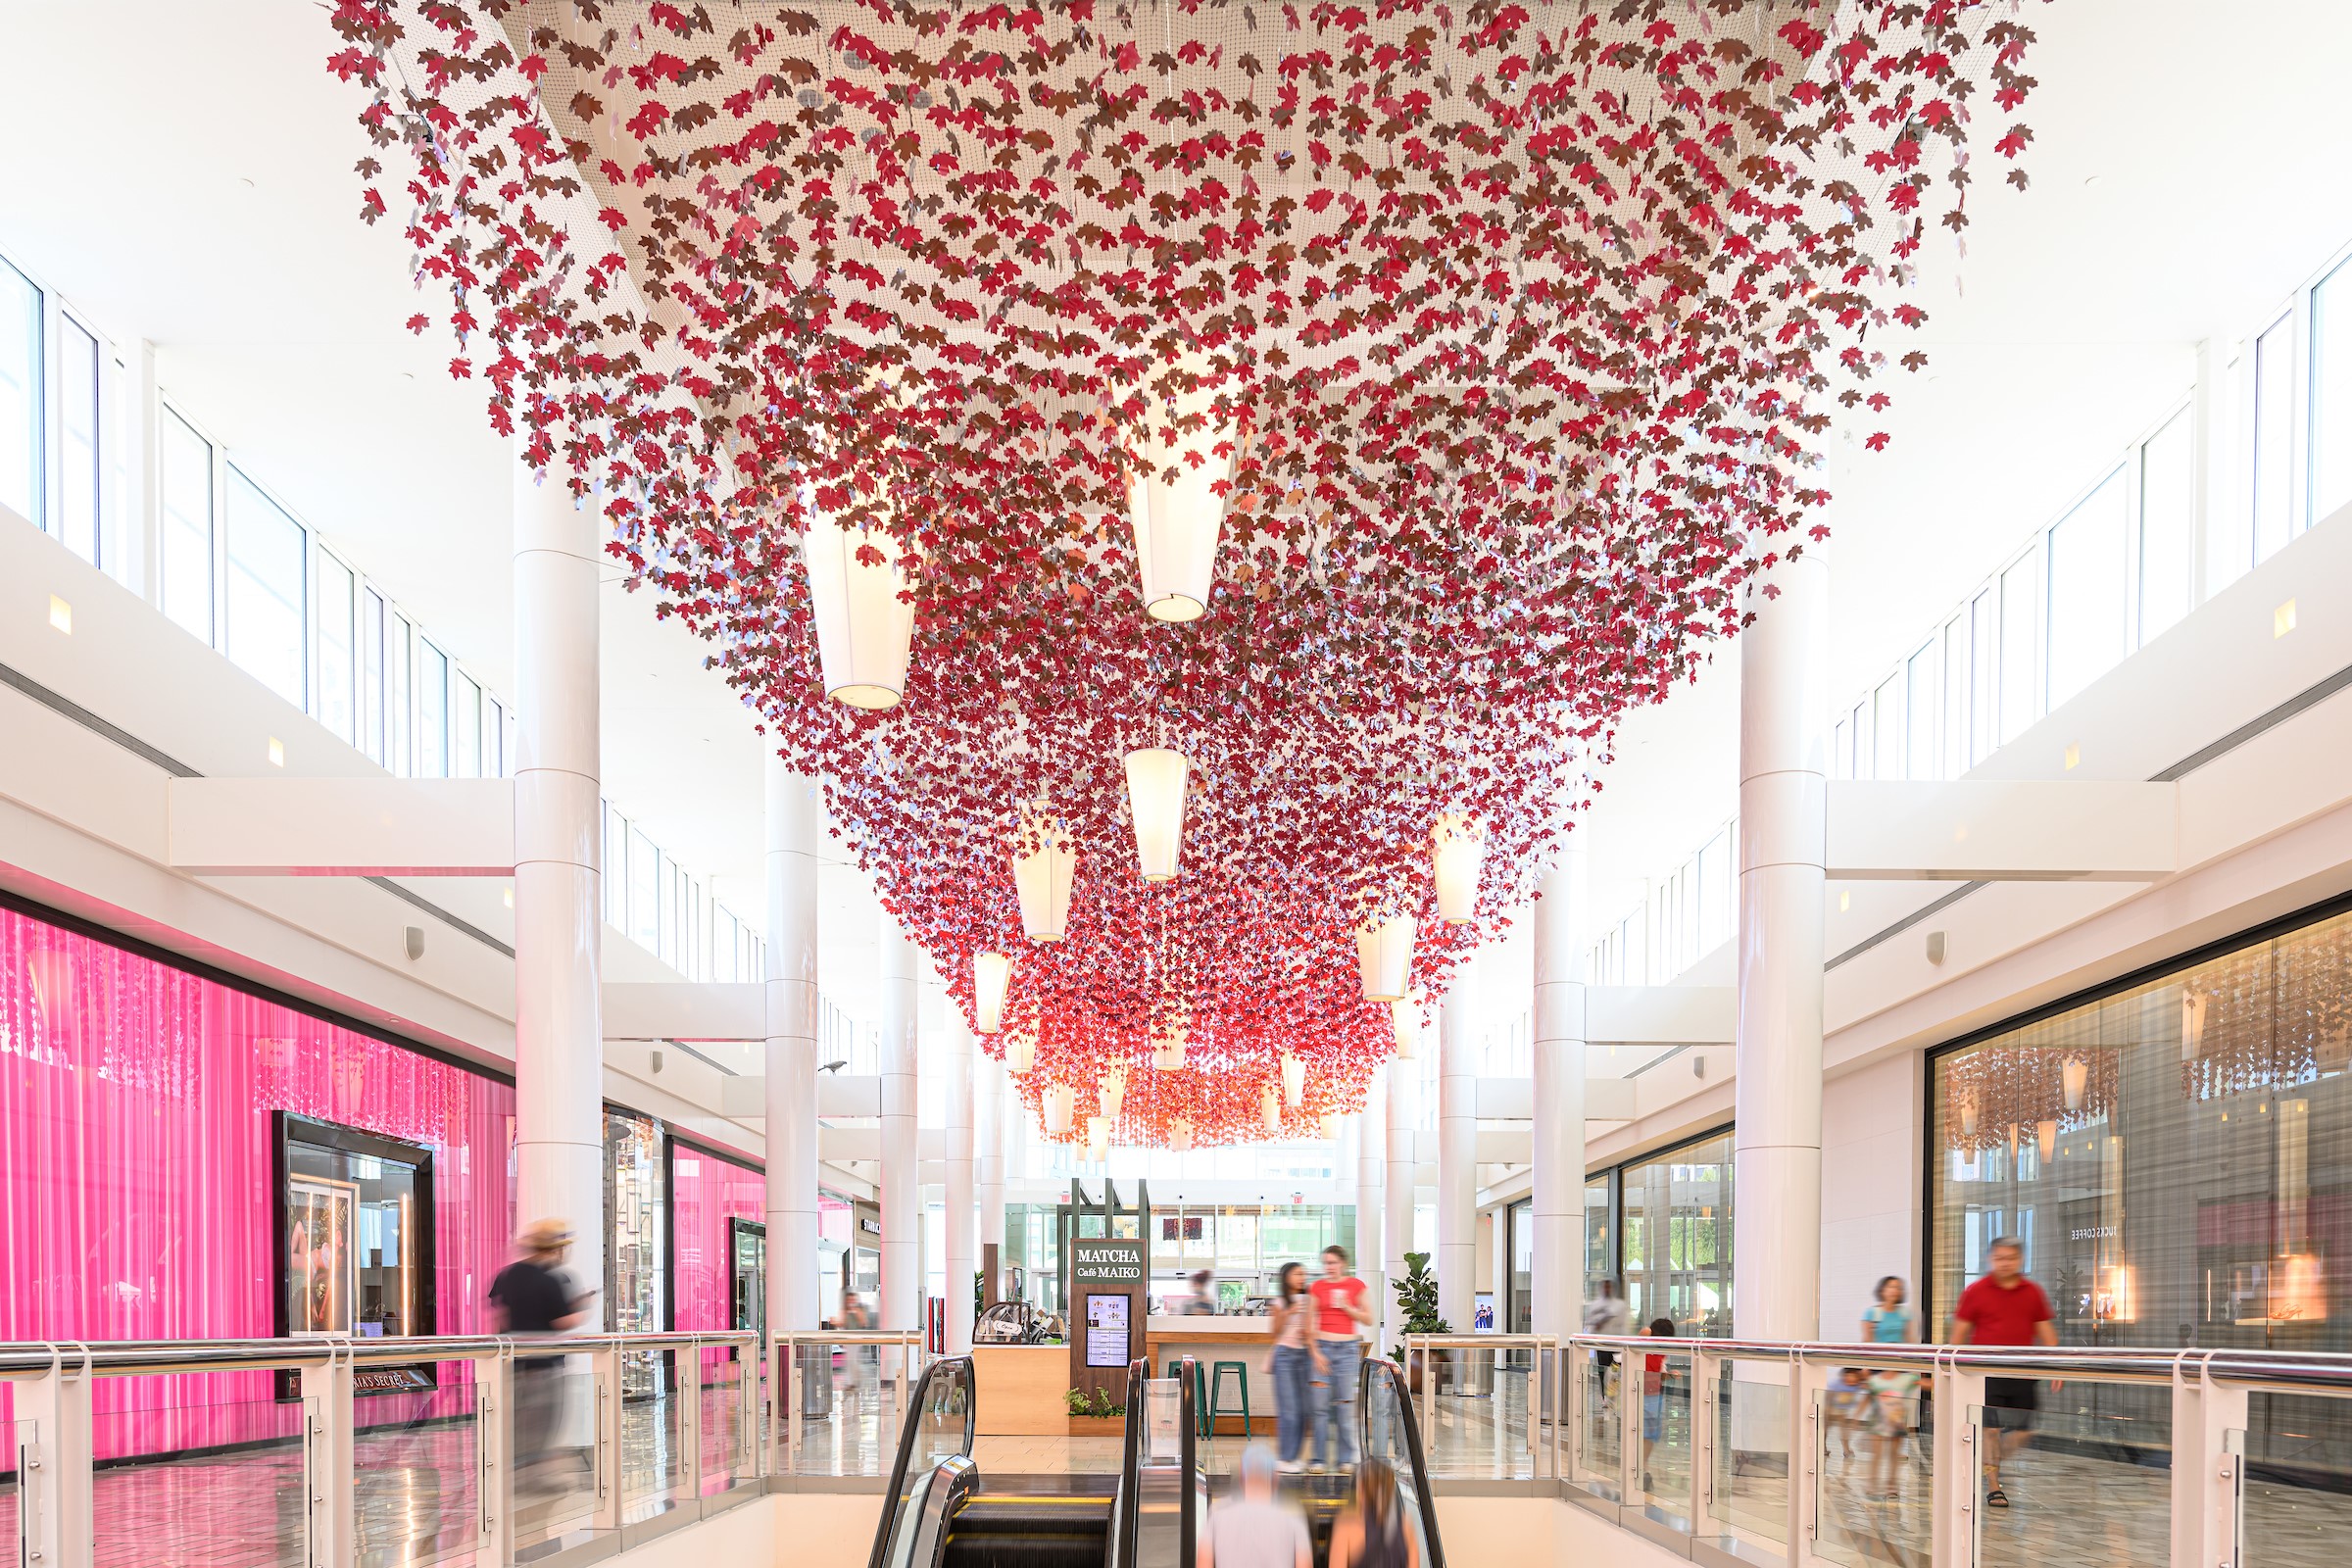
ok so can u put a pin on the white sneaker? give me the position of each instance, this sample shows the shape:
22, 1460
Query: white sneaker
1290, 1467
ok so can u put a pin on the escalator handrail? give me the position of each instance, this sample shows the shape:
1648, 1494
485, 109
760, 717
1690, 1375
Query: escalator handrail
955, 1368
1121, 1548
951, 1481
1188, 1475
1381, 1368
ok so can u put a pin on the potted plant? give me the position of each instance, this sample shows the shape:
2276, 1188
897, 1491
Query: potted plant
1417, 1300
1093, 1414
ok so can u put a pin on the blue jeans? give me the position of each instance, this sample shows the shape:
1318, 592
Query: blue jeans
1335, 1389
1294, 1398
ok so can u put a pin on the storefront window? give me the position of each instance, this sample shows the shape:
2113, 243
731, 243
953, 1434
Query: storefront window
1676, 1217
1523, 1267
633, 1196
1600, 1234
2175, 1159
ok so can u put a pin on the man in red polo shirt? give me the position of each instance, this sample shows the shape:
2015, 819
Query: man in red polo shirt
2005, 1307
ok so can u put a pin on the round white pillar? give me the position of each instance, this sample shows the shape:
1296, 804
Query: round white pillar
559, 903
1401, 1170
1559, 1092
956, 1062
988, 1163
794, 823
901, 1212
1784, 853
1457, 1147
1371, 1169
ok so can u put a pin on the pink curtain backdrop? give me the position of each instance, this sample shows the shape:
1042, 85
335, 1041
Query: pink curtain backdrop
704, 1192
135, 1170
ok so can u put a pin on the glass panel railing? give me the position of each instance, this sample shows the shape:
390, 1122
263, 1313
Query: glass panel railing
1600, 1463
726, 1436
1391, 1434
938, 1428
653, 1477
2296, 1504
845, 1405
2082, 1473
212, 1463
1662, 1478
1873, 1468
417, 1457
1751, 1450
556, 1453
1475, 1398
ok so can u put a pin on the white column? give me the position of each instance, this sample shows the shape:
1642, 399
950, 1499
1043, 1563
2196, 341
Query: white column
793, 830
1402, 1169
1457, 1147
1559, 1060
559, 914
902, 1192
956, 1062
988, 1162
1371, 1166
1784, 848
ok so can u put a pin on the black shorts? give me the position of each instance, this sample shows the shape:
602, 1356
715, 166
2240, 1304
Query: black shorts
2019, 1397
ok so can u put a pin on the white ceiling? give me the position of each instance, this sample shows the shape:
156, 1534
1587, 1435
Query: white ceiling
183, 173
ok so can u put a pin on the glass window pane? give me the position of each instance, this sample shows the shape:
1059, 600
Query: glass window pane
494, 740
20, 394
187, 460
372, 675
1984, 683
78, 413
1676, 1214
2019, 688
335, 588
399, 708
645, 892
1887, 729
1841, 755
2331, 394
2167, 525
1918, 728
1715, 892
2088, 578
432, 711
465, 727
1865, 749
2273, 436
616, 869
265, 591
1955, 695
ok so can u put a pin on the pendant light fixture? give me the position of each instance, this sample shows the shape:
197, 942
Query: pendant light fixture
992, 977
1406, 1019
1021, 1052
2075, 1075
2192, 1024
1180, 1134
1458, 851
864, 608
1177, 523
1111, 1093
1042, 875
1329, 1122
1967, 1115
1167, 1048
1098, 1139
1384, 956
2045, 1140
1061, 1108
1269, 1109
1156, 778
1294, 1080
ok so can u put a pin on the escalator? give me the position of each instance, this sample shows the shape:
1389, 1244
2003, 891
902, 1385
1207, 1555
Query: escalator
944, 1512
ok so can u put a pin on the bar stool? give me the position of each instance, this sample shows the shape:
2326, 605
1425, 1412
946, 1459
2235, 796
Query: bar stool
1204, 1422
1241, 1375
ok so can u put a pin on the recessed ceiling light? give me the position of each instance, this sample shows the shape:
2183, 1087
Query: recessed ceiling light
278, 752
61, 615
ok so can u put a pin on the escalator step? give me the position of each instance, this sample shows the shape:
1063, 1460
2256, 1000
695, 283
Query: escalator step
1023, 1551
1008, 1515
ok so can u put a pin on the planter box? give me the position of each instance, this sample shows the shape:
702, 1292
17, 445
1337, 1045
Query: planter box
1098, 1426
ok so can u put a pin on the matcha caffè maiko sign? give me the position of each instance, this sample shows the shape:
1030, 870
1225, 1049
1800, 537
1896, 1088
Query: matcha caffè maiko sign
1114, 1261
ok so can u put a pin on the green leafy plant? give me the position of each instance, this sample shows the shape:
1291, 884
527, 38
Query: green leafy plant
1080, 1402
1417, 1300
1075, 1401
1102, 1404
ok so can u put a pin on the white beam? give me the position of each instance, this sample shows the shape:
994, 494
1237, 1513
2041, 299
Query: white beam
684, 1011
1660, 1015
1499, 1099
2003, 830
341, 826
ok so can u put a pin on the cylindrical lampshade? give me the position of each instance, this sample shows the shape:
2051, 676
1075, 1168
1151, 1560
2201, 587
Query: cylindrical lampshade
1330, 1121
1180, 1134
1294, 1080
2045, 1139
1177, 524
1043, 878
1114, 1089
992, 976
2075, 1074
1269, 1109
1457, 849
1061, 1108
2192, 1024
1167, 1050
2013, 1144
1098, 1139
1405, 1019
1968, 1116
1384, 956
1020, 1053
864, 612
53, 974
1156, 779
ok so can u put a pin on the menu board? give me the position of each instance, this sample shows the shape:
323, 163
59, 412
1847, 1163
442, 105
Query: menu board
1106, 1331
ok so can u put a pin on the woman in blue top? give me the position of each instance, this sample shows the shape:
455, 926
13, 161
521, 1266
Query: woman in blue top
1890, 1321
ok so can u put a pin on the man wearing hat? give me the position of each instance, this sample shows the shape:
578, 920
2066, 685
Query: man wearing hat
532, 1296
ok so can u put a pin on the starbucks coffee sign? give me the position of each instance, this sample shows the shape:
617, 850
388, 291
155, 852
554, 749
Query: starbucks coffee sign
1114, 1261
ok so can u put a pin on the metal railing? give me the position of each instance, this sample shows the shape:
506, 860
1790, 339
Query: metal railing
844, 1393
1738, 1451
354, 1453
